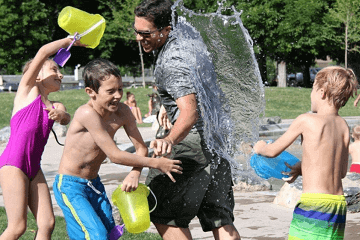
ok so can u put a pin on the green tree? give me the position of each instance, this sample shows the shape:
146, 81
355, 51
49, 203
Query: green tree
287, 30
23, 28
345, 16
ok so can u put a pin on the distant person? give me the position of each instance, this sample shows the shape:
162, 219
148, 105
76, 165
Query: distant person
153, 103
150, 105
357, 100
131, 102
89, 140
21, 178
321, 211
354, 150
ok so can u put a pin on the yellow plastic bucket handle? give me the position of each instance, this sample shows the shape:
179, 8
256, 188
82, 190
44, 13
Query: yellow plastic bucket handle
155, 200
92, 28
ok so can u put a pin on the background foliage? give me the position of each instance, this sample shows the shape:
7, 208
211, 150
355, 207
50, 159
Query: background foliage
294, 31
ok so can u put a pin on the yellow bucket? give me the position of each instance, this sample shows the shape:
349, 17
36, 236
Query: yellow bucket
134, 208
90, 27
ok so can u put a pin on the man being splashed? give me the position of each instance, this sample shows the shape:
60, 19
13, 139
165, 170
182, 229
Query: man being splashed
205, 187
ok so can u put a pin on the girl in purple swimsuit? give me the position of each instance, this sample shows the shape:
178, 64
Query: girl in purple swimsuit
21, 178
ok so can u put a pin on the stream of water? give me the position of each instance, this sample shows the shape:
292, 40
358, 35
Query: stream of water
232, 106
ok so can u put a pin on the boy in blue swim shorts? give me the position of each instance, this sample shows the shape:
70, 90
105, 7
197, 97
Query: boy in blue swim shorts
78, 189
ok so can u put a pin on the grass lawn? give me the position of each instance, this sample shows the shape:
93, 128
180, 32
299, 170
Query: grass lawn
60, 229
287, 103
72, 99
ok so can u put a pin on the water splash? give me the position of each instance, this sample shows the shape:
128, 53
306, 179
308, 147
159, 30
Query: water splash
231, 108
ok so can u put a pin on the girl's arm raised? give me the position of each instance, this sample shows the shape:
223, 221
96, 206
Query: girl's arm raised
29, 78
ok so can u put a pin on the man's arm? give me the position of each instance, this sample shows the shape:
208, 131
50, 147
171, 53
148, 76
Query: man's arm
187, 118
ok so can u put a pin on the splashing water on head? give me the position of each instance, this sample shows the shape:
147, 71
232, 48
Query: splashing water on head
231, 106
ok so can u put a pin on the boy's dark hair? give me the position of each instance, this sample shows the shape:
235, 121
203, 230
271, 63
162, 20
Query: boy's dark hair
98, 70
156, 11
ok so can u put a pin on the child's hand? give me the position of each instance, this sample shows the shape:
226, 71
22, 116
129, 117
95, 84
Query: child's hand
57, 115
79, 44
68, 40
294, 172
168, 165
258, 146
131, 182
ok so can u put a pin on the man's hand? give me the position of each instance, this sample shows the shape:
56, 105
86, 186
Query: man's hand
163, 119
294, 172
162, 147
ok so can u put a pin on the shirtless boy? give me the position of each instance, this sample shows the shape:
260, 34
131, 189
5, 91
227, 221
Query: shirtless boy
354, 150
78, 189
321, 211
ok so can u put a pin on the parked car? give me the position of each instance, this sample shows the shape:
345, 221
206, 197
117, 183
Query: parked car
9, 86
294, 79
297, 79
313, 72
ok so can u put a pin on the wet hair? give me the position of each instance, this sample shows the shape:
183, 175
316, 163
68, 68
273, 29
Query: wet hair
27, 65
356, 132
156, 11
128, 94
99, 70
339, 84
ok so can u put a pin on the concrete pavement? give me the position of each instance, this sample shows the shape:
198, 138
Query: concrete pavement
256, 217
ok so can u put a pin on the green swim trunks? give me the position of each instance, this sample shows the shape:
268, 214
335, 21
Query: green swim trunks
203, 190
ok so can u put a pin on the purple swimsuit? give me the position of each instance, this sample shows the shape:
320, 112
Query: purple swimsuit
30, 128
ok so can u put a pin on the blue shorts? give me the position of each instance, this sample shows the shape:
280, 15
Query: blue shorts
86, 208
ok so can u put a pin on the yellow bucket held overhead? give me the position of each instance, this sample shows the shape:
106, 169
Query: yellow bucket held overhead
134, 208
90, 27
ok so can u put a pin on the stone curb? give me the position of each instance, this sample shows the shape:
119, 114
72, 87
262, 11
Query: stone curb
269, 130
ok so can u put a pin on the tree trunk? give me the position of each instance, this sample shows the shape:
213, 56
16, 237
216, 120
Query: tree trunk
346, 44
306, 75
282, 74
142, 64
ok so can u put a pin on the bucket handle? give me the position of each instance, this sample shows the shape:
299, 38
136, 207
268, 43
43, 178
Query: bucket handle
155, 200
76, 37
92, 28
89, 30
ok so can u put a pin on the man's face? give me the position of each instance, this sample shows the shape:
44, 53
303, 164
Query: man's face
149, 35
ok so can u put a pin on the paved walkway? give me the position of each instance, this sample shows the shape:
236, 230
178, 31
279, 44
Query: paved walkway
256, 217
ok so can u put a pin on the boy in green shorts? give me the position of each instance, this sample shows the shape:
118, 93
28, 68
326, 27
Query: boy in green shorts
321, 211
